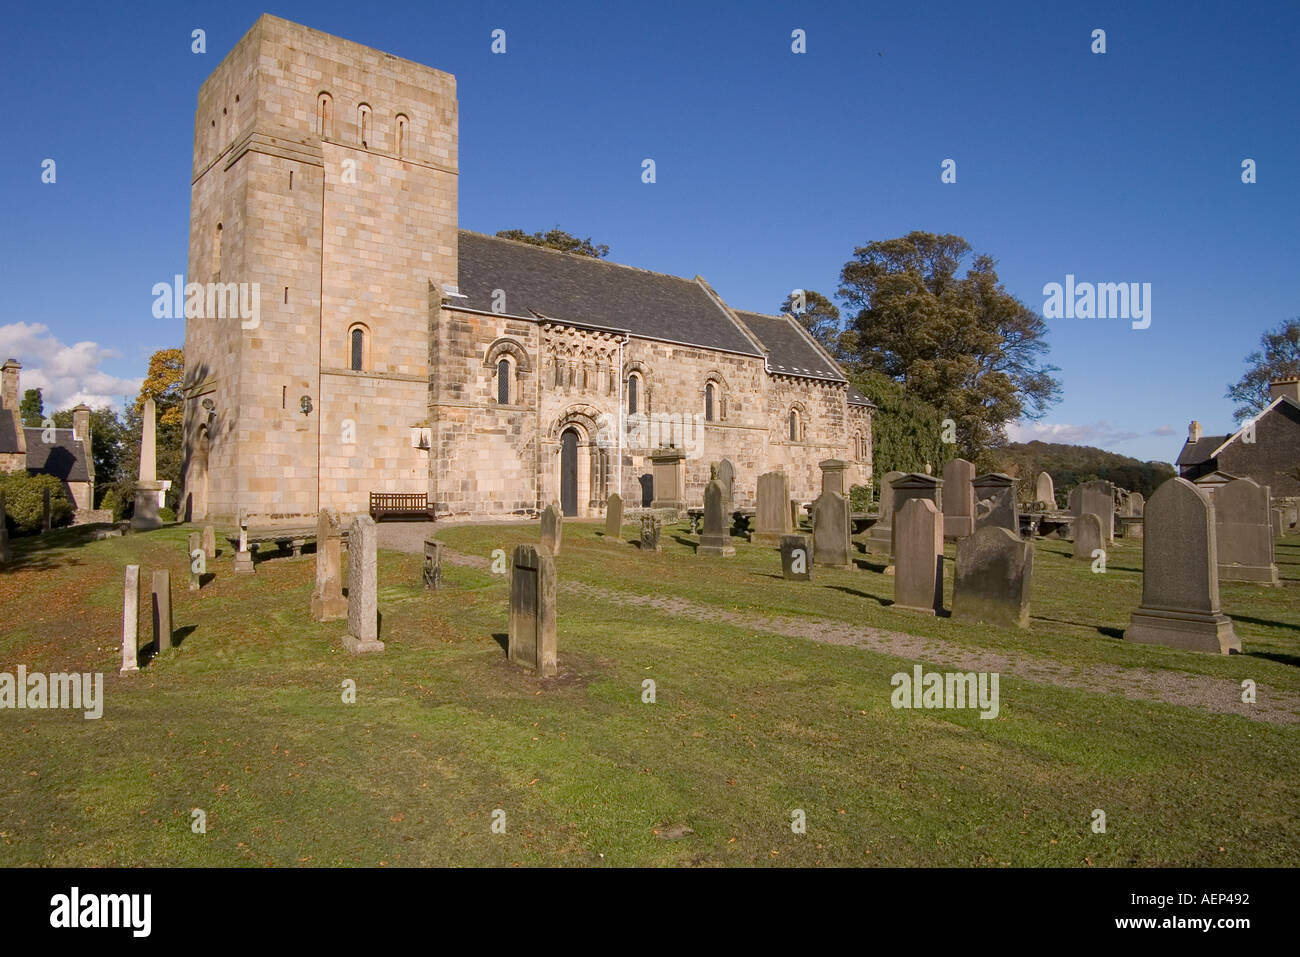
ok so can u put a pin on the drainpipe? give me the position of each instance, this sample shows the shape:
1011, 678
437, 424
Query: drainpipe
621, 342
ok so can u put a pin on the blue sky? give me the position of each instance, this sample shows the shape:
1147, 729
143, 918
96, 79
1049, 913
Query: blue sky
771, 166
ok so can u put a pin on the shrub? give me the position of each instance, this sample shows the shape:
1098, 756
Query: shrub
25, 504
859, 498
167, 515
113, 503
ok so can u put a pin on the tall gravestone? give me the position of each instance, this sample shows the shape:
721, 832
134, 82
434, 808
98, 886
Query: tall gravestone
327, 601
162, 611
6, 553
148, 486
958, 499
669, 469
716, 538
918, 560
432, 564
552, 529
797, 556
1045, 490
243, 555
194, 556
914, 485
832, 530
772, 518
532, 610
880, 537
651, 528
833, 471
131, 620
1279, 522
614, 516
209, 542
1097, 497
1244, 530
727, 476
1180, 576
994, 572
995, 502
1088, 536
363, 587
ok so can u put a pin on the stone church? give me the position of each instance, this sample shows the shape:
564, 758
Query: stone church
391, 351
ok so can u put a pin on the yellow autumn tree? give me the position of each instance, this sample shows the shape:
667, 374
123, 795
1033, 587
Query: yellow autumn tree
163, 385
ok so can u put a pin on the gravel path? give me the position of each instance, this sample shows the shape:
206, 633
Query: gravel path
1216, 695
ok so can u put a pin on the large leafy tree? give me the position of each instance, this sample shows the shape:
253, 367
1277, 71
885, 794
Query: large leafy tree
818, 315
557, 238
960, 343
1278, 357
162, 383
31, 408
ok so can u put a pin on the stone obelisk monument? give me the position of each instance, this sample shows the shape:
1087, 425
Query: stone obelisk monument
148, 487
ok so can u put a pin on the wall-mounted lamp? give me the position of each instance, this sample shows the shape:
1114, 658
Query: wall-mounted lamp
304, 404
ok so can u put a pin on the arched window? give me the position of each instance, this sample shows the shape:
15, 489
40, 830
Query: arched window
794, 425
503, 382
363, 123
402, 124
324, 116
633, 382
359, 348
708, 402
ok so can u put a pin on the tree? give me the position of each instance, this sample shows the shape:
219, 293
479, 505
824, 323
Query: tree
32, 408
557, 238
962, 344
163, 385
906, 433
1278, 358
819, 316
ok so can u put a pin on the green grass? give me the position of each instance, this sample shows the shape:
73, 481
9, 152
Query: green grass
245, 720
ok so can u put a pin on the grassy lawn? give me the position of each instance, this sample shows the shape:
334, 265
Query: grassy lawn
245, 720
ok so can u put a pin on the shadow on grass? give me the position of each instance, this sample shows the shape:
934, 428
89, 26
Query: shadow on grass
1104, 630
1279, 657
883, 602
180, 634
871, 564
503, 641
1264, 621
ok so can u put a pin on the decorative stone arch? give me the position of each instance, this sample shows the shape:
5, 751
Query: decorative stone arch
720, 392
510, 351
859, 446
642, 372
796, 422
592, 468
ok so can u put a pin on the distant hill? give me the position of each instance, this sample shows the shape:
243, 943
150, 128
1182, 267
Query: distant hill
1071, 465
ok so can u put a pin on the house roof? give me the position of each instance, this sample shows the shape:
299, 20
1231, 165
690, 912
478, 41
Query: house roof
64, 458
791, 351
11, 429
857, 398
1202, 450
1287, 404
549, 284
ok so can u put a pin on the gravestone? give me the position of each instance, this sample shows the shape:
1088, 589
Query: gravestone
1088, 536
1180, 577
1098, 497
833, 471
1244, 530
614, 516
6, 553
209, 542
994, 571
772, 517
552, 528
958, 499
195, 546
794, 515
1045, 490
913, 485
162, 611
363, 588
918, 559
432, 564
46, 524
131, 620
669, 467
797, 554
832, 529
1213, 481
650, 531
727, 476
532, 610
243, 557
327, 601
995, 502
1136, 504
147, 488
716, 538
880, 537
1289, 521
1279, 519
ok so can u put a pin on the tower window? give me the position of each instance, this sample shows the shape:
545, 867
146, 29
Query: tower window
503, 382
358, 349
363, 123
632, 383
402, 124
325, 115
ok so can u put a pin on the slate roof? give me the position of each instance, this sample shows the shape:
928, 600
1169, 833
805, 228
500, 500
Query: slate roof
1202, 450
857, 398
10, 424
790, 349
547, 283
64, 458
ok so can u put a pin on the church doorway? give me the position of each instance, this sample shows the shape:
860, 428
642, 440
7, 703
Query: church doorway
569, 472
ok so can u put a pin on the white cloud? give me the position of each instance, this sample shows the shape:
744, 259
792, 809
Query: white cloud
1098, 434
65, 374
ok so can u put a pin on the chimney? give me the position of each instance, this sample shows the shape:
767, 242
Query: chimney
81, 424
1285, 387
9, 385
1194, 432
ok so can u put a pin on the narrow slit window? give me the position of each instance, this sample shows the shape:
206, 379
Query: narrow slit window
358, 349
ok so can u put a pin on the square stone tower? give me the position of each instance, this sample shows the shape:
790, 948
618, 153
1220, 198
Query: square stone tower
323, 202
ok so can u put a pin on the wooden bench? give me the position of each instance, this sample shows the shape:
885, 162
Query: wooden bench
406, 505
